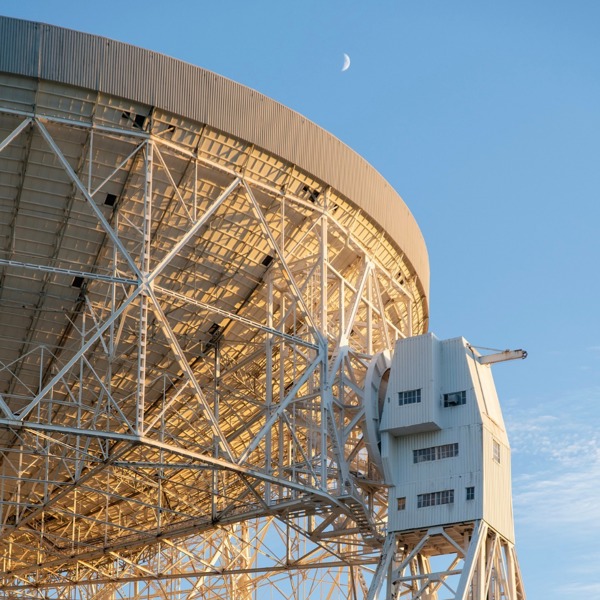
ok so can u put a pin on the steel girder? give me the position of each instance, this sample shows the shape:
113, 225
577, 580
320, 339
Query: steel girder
467, 561
182, 370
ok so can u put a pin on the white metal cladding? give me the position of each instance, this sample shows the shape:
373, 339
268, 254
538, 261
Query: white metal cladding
416, 366
483, 384
430, 476
459, 373
440, 367
155, 80
24, 34
497, 500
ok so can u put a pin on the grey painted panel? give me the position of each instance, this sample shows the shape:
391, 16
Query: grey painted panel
24, 36
73, 59
181, 88
128, 74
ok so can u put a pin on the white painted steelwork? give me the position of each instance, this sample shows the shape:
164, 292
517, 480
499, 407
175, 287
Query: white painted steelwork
193, 281
446, 456
505, 355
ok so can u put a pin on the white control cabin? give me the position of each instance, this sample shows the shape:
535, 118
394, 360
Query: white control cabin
443, 443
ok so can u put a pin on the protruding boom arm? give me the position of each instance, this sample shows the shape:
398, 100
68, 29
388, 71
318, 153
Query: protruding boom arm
502, 356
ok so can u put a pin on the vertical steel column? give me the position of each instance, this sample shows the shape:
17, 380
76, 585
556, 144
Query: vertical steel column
269, 384
215, 475
371, 281
145, 270
325, 382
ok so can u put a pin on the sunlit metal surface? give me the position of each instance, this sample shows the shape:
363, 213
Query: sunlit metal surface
187, 317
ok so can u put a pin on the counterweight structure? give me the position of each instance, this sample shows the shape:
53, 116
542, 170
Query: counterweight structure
196, 288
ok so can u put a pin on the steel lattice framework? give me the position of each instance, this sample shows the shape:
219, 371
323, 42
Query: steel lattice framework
186, 324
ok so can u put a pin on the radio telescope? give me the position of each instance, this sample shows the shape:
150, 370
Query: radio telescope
199, 294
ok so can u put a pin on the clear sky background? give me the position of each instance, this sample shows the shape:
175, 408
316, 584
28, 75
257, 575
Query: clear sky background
485, 116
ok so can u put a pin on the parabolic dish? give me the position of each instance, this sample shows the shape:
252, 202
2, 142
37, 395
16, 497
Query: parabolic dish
193, 280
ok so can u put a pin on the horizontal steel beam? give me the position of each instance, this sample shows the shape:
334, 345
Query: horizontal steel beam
149, 442
234, 317
197, 574
17, 264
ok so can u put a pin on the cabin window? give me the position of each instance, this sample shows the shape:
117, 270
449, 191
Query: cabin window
401, 503
455, 399
435, 453
409, 397
435, 498
471, 493
496, 450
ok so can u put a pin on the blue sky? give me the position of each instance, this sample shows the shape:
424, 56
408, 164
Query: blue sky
485, 117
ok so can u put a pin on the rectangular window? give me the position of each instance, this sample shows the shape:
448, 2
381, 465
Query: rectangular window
435, 498
423, 455
446, 451
435, 453
409, 397
455, 399
496, 451
401, 503
471, 493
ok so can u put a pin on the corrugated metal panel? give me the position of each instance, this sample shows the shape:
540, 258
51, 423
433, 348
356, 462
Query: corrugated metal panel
19, 46
455, 473
458, 511
415, 366
497, 492
171, 94
70, 57
128, 74
470, 425
156, 80
456, 377
490, 404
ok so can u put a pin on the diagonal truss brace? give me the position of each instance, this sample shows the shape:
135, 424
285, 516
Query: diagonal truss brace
275, 246
191, 377
81, 187
84, 348
13, 134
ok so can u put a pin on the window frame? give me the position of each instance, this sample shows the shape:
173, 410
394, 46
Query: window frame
409, 397
496, 451
461, 395
433, 453
428, 499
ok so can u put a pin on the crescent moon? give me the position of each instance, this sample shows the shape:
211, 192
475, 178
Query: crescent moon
346, 63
